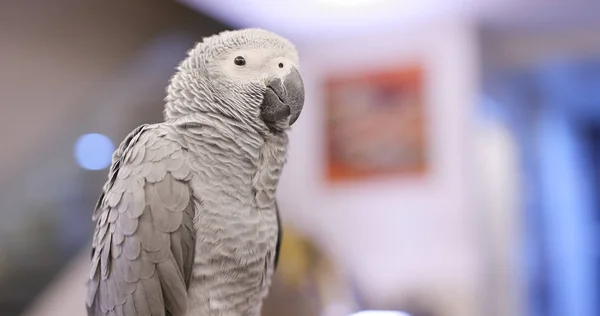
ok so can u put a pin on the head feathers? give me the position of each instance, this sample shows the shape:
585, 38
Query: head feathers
202, 84
217, 45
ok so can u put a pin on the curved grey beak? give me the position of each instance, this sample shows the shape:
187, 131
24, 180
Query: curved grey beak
283, 98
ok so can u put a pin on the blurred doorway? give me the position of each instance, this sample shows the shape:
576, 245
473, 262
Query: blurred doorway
553, 110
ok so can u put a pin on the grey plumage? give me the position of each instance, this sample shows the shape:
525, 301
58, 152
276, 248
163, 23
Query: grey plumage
187, 223
144, 238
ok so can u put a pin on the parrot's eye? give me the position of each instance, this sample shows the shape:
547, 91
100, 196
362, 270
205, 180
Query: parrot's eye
280, 65
240, 61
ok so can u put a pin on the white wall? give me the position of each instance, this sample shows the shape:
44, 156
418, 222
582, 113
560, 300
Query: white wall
499, 197
395, 234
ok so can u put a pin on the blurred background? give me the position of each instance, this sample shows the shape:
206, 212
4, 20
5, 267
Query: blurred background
447, 162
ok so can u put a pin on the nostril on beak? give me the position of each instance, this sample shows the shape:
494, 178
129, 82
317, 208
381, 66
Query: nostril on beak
277, 94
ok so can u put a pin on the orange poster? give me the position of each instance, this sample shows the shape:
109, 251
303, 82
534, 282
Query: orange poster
376, 125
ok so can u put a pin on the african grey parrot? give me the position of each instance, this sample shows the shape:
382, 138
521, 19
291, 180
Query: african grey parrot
187, 223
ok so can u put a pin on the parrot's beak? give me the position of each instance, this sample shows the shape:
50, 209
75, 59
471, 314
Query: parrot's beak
284, 98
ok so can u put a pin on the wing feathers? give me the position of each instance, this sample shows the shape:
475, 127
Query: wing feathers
173, 287
144, 240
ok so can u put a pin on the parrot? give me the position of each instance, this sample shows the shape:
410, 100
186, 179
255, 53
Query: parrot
187, 223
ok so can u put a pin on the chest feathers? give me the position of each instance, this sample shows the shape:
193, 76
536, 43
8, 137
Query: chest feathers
271, 159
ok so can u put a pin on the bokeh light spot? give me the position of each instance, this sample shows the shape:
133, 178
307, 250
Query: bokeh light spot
94, 151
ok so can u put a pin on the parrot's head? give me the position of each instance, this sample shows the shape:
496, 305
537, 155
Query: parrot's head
249, 75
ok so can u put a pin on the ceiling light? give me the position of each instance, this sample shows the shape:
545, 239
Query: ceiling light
348, 3
380, 313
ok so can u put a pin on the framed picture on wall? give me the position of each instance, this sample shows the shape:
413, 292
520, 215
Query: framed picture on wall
376, 124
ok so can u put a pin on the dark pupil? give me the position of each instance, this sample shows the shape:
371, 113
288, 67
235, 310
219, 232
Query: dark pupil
240, 61
280, 65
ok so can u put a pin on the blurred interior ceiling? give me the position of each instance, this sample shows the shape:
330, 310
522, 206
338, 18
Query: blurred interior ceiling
305, 20
58, 60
